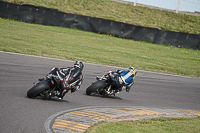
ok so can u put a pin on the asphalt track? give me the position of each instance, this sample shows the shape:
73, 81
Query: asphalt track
20, 114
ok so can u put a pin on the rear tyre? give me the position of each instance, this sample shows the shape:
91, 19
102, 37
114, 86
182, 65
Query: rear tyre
38, 88
92, 89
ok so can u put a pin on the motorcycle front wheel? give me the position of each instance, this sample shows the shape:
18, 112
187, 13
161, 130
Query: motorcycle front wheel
93, 89
38, 88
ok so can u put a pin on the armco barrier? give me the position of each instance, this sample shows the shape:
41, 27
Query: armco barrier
47, 16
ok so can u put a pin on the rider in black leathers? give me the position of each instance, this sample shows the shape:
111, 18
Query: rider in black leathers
69, 78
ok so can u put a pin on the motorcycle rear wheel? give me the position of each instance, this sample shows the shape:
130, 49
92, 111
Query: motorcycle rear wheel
92, 89
38, 88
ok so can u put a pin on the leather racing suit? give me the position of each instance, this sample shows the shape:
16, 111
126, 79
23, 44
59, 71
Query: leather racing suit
70, 78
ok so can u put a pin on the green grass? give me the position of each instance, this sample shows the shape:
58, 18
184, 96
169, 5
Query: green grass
159, 125
127, 13
72, 44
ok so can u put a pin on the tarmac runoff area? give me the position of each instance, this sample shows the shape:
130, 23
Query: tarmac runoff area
79, 119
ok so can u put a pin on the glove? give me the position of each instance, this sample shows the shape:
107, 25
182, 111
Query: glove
127, 88
123, 88
56, 79
74, 89
49, 76
110, 72
41, 79
119, 71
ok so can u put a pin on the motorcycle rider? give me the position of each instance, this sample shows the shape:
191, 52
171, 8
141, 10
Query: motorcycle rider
122, 79
69, 78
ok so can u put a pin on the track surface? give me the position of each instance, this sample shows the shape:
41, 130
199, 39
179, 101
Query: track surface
21, 114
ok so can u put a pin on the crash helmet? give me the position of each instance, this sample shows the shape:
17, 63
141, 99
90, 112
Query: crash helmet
79, 64
132, 69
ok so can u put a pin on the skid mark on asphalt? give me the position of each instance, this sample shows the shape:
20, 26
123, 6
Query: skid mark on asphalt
190, 111
139, 111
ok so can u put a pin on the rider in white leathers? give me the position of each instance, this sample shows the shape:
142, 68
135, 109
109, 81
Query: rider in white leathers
123, 79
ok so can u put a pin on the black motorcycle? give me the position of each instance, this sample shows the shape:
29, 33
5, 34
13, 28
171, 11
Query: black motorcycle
46, 88
106, 85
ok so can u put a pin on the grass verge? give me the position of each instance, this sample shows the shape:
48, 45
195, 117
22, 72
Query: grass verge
158, 125
122, 12
72, 44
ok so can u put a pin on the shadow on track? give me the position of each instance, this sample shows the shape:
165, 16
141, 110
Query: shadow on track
48, 99
110, 97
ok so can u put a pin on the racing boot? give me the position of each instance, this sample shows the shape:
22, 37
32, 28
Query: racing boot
127, 88
62, 94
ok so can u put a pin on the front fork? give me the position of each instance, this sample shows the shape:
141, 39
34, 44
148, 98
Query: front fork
53, 92
108, 91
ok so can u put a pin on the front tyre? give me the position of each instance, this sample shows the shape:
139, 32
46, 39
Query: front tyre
92, 89
38, 88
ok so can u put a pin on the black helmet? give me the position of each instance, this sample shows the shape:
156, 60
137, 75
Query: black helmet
79, 64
